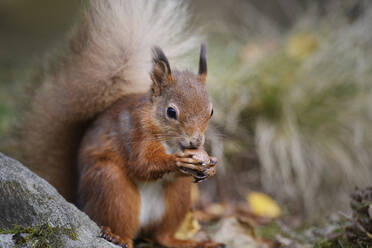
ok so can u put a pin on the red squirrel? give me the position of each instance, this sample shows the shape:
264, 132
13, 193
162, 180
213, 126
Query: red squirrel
136, 161
116, 129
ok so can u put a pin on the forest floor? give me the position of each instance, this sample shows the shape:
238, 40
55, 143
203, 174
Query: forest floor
259, 224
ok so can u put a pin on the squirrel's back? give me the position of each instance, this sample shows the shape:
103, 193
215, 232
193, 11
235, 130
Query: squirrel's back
108, 56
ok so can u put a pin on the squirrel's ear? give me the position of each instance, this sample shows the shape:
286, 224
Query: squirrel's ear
203, 64
161, 72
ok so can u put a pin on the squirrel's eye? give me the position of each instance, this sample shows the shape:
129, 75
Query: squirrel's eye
212, 113
171, 112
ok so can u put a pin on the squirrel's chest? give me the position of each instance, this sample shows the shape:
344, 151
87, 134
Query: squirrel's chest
152, 197
152, 206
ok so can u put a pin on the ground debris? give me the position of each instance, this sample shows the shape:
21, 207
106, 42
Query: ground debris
355, 230
359, 230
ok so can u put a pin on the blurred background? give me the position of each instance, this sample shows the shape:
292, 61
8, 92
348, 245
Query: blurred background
290, 82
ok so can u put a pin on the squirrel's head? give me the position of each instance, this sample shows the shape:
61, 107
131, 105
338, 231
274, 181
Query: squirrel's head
181, 105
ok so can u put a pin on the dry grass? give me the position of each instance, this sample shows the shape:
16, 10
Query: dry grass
304, 96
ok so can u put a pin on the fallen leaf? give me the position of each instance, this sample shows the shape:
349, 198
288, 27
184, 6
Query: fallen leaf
245, 214
233, 234
263, 205
188, 228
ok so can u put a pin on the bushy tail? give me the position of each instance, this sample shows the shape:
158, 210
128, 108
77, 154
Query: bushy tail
109, 55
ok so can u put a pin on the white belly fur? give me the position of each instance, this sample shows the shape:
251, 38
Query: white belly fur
152, 202
152, 197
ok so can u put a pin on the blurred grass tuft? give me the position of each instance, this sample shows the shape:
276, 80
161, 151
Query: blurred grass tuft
304, 97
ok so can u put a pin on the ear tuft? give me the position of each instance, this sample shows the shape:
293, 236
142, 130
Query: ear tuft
159, 57
161, 72
203, 63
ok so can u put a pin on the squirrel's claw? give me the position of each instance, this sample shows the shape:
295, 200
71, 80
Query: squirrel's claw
190, 161
109, 236
184, 168
200, 179
213, 161
189, 166
210, 171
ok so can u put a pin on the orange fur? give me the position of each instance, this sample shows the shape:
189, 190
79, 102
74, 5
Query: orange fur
126, 147
108, 55
94, 134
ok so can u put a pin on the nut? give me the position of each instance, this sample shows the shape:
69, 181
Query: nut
199, 154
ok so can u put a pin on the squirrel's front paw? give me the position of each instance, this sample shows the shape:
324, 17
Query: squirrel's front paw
196, 163
190, 166
210, 170
109, 236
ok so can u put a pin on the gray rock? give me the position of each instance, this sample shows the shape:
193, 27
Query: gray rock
28, 200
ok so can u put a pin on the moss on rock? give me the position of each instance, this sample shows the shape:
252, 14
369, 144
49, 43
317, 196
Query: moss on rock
42, 236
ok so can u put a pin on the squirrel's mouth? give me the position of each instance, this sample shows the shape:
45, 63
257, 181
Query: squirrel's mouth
182, 147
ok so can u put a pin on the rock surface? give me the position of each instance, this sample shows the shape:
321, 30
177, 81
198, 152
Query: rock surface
28, 200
